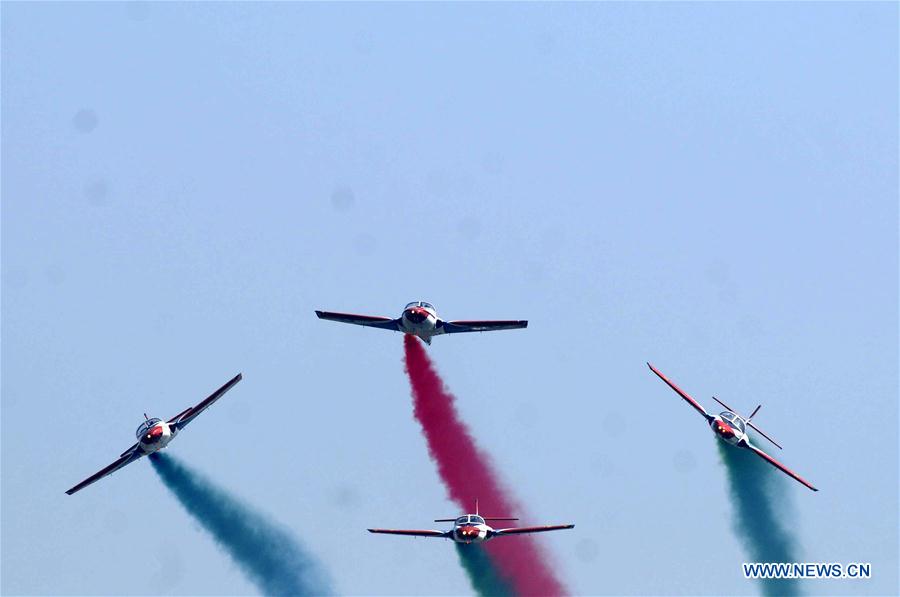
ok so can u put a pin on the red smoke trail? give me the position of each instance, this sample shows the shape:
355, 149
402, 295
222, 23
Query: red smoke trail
467, 474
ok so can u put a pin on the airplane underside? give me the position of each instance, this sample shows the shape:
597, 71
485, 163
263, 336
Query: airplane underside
424, 332
147, 450
730, 440
471, 535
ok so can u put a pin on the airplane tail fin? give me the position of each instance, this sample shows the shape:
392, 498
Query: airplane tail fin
756, 410
477, 514
486, 518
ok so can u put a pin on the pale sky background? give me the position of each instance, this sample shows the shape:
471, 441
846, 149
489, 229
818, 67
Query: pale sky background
711, 187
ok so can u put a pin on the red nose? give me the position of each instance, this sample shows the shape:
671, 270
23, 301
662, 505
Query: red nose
416, 314
154, 433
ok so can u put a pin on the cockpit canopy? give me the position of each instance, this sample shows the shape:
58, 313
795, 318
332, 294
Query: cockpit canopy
733, 420
419, 304
145, 426
470, 519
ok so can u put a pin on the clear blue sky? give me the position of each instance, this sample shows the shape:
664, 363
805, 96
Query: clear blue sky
712, 187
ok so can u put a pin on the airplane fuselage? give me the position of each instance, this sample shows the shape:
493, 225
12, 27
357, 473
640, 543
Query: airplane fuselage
729, 431
419, 320
471, 533
154, 435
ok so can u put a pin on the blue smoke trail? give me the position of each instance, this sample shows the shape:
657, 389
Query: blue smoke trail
483, 575
269, 556
757, 491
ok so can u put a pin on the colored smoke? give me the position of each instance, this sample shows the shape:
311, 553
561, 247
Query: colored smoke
468, 475
268, 554
759, 496
481, 571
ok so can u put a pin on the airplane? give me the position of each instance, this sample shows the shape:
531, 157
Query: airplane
473, 528
420, 319
155, 434
731, 428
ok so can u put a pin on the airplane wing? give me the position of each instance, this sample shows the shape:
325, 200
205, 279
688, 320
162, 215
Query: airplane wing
681, 393
412, 533
126, 458
188, 415
523, 530
778, 465
385, 323
456, 327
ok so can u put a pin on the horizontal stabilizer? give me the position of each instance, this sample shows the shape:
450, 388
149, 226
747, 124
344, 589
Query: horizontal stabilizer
760, 431
725, 405
747, 421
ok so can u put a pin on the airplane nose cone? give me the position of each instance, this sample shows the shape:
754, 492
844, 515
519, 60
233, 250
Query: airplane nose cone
416, 315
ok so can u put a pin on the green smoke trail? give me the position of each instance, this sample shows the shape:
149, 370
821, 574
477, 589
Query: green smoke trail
484, 577
269, 556
759, 496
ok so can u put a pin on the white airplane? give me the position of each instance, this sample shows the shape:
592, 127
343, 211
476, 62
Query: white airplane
731, 428
420, 319
473, 528
155, 434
